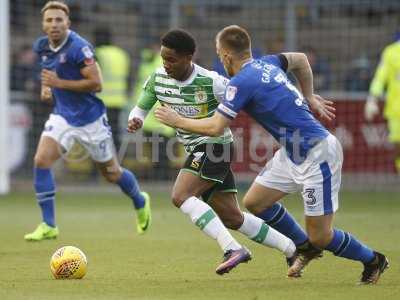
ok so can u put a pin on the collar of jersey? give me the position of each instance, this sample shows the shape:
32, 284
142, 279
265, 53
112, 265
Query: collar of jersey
249, 61
62, 44
190, 78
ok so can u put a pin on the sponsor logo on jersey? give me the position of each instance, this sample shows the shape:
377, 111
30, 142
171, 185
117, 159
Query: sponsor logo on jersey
230, 92
190, 111
44, 58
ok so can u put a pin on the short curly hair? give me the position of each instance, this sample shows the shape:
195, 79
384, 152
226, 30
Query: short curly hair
179, 40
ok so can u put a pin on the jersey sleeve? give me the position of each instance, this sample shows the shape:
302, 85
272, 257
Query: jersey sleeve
147, 97
36, 46
38, 61
237, 95
380, 78
219, 86
278, 60
83, 55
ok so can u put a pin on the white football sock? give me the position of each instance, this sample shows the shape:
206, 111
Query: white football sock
203, 216
255, 228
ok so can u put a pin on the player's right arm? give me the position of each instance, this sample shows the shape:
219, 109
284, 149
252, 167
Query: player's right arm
45, 91
45, 94
237, 95
146, 101
298, 64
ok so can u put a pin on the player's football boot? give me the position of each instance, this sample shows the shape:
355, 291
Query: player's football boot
373, 270
42, 232
303, 258
232, 258
143, 215
290, 262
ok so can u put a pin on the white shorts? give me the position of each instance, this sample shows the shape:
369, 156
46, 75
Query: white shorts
95, 137
318, 177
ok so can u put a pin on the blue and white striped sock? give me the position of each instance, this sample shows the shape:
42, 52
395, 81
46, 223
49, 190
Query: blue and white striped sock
345, 245
280, 219
130, 187
45, 194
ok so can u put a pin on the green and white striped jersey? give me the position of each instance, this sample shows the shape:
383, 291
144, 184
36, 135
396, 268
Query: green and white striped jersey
196, 98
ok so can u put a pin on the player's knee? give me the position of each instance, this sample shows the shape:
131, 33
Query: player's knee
178, 198
112, 177
41, 161
320, 240
233, 221
253, 206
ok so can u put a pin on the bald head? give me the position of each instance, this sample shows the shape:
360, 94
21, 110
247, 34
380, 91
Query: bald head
235, 40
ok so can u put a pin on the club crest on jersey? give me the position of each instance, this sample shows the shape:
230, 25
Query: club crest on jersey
200, 96
44, 58
63, 58
230, 92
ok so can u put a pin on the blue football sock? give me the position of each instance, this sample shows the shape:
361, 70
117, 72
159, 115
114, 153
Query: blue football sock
345, 245
45, 193
279, 218
130, 187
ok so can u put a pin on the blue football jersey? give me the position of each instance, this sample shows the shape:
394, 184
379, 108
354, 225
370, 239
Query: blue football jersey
262, 89
78, 109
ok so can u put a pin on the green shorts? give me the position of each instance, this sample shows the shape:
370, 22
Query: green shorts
213, 162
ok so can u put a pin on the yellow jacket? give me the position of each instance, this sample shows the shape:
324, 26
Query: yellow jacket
115, 65
387, 76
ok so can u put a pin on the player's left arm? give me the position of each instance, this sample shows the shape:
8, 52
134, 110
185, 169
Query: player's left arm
212, 126
91, 81
298, 64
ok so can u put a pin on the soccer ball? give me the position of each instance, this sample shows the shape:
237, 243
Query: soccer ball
68, 262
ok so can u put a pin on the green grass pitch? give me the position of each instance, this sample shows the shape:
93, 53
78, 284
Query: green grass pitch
177, 261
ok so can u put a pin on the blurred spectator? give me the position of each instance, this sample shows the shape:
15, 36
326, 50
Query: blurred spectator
359, 76
386, 83
24, 70
115, 64
321, 69
275, 46
150, 61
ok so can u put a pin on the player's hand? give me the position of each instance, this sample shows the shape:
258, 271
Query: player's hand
371, 108
50, 79
134, 124
167, 115
323, 108
46, 95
